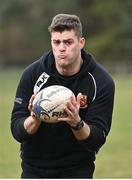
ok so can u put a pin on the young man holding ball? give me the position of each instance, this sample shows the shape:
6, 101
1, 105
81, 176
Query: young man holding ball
66, 149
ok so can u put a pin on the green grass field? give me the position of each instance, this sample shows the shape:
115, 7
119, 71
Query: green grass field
114, 160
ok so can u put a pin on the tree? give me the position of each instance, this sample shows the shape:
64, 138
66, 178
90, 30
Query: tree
24, 36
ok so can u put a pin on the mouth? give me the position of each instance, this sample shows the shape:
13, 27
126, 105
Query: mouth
62, 56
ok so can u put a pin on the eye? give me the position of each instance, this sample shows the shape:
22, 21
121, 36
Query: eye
56, 42
68, 42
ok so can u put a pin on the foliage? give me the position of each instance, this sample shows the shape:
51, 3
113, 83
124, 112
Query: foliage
24, 36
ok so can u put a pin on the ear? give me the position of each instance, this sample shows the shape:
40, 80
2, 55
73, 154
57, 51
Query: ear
82, 42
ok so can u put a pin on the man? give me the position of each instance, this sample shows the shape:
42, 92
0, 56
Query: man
65, 149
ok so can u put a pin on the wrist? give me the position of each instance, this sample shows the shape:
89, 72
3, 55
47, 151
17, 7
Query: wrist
31, 125
79, 125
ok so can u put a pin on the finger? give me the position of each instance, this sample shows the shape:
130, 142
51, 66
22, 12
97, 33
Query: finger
72, 103
68, 111
73, 100
66, 118
63, 119
30, 106
30, 103
32, 98
70, 106
32, 114
79, 96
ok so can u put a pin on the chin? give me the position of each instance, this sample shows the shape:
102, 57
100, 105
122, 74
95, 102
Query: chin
62, 63
63, 66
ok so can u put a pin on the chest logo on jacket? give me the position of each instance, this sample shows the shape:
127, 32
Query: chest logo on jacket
83, 102
41, 81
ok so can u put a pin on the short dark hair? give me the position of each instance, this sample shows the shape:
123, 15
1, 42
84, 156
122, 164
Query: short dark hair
62, 22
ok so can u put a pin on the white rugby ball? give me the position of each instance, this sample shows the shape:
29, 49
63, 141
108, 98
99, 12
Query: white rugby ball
49, 102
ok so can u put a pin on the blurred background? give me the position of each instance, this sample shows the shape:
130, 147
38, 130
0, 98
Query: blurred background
107, 27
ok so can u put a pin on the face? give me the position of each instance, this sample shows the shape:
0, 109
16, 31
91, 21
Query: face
66, 48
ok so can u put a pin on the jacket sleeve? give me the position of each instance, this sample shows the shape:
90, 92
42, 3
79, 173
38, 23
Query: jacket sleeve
20, 110
99, 114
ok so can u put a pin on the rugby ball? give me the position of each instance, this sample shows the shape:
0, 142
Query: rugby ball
48, 104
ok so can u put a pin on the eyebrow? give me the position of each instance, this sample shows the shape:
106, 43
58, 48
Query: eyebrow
65, 40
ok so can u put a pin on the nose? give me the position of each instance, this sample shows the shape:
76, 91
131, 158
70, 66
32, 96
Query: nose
62, 47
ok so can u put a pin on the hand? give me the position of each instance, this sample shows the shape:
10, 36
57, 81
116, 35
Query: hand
30, 105
31, 124
72, 110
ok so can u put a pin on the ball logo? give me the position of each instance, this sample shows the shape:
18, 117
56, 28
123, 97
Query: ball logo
39, 111
59, 114
44, 115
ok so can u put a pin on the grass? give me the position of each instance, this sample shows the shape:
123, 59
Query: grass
114, 159
9, 149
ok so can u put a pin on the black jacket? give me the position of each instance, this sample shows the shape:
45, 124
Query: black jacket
54, 145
